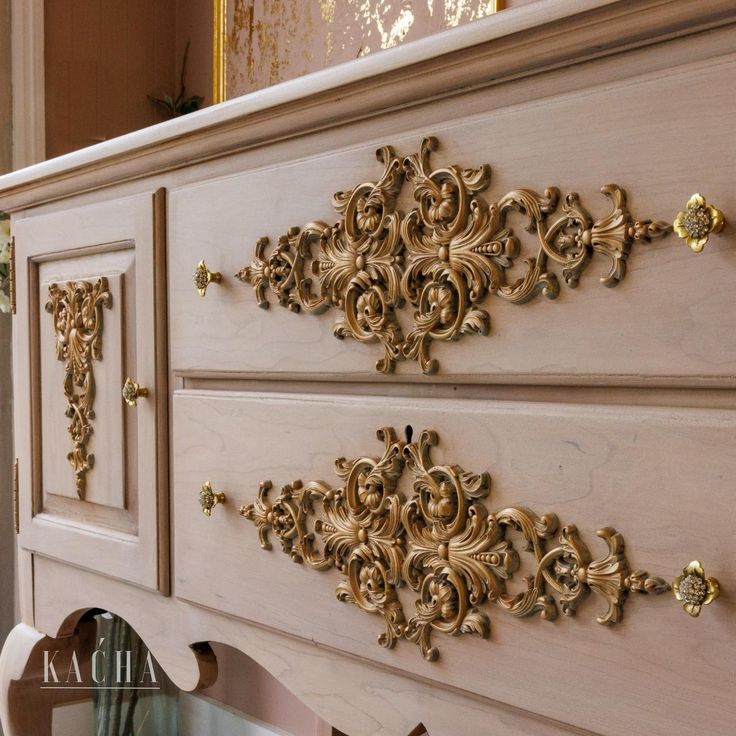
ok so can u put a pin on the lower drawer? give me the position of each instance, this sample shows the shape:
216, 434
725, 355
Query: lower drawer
453, 537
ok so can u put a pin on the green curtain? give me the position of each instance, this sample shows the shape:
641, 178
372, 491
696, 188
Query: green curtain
141, 702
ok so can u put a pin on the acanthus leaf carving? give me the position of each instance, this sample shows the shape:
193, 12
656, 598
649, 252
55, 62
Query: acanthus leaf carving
360, 528
442, 543
443, 258
77, 311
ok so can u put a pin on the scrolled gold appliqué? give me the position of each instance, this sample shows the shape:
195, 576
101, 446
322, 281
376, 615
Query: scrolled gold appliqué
358, 264
442, 543
443, 258
77, 310
360, 528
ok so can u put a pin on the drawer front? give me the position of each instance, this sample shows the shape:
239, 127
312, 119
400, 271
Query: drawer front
659, 477
413, 287
90, 316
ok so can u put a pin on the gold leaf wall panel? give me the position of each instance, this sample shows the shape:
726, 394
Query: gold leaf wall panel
270, 41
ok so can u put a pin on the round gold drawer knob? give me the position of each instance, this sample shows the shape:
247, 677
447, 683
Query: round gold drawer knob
203, 277
132, 392
694, 589
697, 221
208, 498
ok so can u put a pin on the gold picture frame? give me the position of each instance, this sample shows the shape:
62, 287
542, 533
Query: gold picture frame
219, 55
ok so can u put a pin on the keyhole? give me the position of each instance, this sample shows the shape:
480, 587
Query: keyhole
408, 432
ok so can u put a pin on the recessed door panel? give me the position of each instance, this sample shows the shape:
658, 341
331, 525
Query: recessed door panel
93, 465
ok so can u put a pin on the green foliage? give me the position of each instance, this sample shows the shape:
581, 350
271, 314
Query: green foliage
181, 105
4, 262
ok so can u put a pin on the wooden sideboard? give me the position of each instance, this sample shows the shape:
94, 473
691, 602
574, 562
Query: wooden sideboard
529, 412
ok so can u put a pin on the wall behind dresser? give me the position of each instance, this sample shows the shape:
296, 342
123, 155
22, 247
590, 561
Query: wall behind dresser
102, 59
7, 537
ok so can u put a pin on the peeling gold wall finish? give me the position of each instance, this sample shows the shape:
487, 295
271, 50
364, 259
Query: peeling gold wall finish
270, 41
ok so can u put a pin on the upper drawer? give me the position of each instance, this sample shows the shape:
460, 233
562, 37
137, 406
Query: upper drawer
91, 314
414, 281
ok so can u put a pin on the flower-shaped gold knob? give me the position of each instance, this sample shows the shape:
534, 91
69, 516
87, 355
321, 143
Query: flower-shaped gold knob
694, 589
132, 392
208, 498
203, 277
697, 222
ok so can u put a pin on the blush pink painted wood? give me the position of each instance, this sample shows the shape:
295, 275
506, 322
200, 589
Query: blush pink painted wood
120, 527
608, 406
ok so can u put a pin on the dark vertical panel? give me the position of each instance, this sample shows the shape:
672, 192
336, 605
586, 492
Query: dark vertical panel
102, 59
81, 25
165, 60
114, 103
6, 110
194, 24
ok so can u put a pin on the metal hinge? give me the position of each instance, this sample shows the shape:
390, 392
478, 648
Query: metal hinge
16, 498
11, 277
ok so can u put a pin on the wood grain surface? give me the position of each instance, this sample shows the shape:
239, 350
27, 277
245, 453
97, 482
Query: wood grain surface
121, 527
648, 472
663, 324
607, 406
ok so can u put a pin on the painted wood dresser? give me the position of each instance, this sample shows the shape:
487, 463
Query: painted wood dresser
381, 375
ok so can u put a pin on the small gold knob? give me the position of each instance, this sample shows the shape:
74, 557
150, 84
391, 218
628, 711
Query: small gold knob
132, 392
694, 589
208, 498
697, 222
203, 277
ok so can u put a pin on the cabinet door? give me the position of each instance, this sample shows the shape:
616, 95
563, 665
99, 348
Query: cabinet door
91, 315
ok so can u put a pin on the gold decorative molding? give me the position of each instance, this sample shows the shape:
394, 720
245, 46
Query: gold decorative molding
76, 307
16, 498
443, 258
12, 286
219, 52
442, 543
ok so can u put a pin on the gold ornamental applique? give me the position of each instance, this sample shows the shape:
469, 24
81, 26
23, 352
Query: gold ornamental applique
441, 260
442, 543
77, 309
